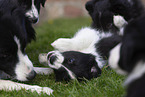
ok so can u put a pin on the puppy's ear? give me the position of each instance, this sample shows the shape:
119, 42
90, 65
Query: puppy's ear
43, 2
95, 71
89, 6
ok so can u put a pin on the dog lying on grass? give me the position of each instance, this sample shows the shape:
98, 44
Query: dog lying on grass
82, 56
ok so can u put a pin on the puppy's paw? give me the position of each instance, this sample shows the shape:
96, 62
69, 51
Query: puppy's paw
43, 59
62, 44
39, 90
119, 21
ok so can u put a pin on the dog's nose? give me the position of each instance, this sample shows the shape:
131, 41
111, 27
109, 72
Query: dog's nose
31, 75
33, 20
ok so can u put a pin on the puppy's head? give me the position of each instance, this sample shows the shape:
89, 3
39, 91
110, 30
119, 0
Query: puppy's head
32, 8
73, 65
102, 12
129, 56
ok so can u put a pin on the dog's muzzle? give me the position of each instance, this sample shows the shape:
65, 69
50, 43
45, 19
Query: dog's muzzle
31, 75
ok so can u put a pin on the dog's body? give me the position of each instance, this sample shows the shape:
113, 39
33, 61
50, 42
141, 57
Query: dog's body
82, 56
129, 57
102, 12
16, 32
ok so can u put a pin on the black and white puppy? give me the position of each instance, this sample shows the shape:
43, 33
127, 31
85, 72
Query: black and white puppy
32, 8
82, 56
102, 12
128, 57
16, 32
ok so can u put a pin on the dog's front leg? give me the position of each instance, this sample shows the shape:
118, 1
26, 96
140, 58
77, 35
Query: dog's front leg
10, 86
41, 70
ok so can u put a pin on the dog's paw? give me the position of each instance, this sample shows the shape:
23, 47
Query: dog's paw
43, 59
62, 44
40, 90
119, 21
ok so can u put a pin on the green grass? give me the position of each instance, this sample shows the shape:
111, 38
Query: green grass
108, 85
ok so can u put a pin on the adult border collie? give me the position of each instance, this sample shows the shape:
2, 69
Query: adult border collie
32, 8
128, 57
102, 12
82, 56
16, 32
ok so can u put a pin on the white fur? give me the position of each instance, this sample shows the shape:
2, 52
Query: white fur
33, 13
119, 22
43, 59
137, 72
114, 59
10, 86
58, 62
24, 65
83, 41
45, 71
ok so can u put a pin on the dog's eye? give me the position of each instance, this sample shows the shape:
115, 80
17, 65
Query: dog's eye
71, 61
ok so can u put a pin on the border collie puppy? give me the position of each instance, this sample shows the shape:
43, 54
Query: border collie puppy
82, 56
32, 8
128, 57
102, 12
15, 33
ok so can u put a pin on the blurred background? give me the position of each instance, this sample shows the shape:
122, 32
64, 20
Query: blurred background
64, 8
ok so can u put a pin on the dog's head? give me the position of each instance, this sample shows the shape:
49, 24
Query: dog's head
13, 59
73, 65
129, 56
102, 12
15, 33
32, 8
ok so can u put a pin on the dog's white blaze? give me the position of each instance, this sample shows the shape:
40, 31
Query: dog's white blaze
33, 13
71, 74
138, 71
24, 65
114, 59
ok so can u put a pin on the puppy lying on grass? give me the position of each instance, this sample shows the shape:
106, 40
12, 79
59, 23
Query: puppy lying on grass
82, 56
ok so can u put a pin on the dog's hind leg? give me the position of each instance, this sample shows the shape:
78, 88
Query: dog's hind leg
8, 85
81, 40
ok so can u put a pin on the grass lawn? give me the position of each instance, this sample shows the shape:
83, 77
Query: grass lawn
108, 85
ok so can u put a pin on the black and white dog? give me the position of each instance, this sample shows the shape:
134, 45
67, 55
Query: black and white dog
128, 57
102, 12
32, 8
16, 32
82, 56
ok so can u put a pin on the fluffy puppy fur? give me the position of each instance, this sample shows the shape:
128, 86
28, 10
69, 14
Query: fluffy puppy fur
129, 57
82, 56
102, 12
16, 32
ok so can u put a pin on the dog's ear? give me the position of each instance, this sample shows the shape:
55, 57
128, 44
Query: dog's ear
95, 70
43, 2
89, 6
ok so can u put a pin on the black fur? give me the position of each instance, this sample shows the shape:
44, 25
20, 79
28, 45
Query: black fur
102, 12
13, 23
132, 54
104, 46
